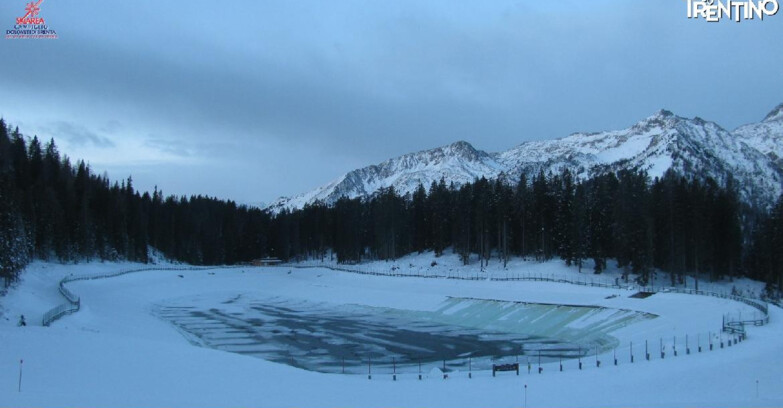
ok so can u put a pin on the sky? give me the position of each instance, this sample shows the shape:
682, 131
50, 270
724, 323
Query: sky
253, 100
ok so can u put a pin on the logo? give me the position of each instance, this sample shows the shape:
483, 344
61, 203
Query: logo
714, 11
31, 26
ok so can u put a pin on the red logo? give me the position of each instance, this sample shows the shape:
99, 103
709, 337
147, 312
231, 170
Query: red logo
31, 25
31, 17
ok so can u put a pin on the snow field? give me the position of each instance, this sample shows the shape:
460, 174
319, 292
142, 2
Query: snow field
116, 352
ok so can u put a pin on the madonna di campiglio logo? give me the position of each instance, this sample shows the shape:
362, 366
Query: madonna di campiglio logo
714, 11
31, 26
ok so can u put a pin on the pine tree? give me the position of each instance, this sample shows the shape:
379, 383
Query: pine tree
521, 202
440, 215
543, 211
420, 219
462, 216
565, 227
6, 163
726, 232
14, 247
348, 230
503, 204
601, 197
580, 232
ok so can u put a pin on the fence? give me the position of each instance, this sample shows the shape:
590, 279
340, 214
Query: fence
542, 359
74, 301
528, 361
730, 325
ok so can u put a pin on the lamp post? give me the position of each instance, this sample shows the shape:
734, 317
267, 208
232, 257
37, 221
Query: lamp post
21, 362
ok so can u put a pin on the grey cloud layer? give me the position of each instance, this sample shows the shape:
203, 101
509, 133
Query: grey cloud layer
363, 81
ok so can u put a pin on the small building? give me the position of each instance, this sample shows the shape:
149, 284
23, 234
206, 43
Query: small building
266, 262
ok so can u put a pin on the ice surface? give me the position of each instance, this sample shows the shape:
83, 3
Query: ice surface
330, 337
117, 353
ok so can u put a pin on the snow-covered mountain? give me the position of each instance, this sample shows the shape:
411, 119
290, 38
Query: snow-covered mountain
766, 136
459, 162
692, 147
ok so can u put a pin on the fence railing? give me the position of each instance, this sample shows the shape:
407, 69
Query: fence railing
528, 360
74, 301
729, 325
735, 328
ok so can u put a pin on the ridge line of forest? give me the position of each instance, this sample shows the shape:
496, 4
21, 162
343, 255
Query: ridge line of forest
53, 209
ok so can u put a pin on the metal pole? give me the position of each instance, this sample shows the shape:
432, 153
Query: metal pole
21, 362
369, 367
526, 395
444, 369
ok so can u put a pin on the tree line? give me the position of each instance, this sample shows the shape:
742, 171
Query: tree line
672, 224
52, 209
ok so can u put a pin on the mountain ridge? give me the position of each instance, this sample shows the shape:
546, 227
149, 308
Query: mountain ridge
775, 115
751, 154
766, 136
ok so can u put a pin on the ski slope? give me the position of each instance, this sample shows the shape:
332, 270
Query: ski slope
118, 351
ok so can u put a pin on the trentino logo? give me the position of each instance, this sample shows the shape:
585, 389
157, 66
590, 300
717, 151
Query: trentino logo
31, 26
714, 11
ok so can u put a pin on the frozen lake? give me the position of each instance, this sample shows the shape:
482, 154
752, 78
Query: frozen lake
335, 338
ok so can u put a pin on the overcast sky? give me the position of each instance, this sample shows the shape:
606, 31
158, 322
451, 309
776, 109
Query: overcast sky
253, 100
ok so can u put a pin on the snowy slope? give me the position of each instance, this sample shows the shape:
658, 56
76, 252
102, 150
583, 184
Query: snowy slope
692, 147
116, 353
766, 136
459, 162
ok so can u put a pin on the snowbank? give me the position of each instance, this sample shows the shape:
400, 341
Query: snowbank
116, 352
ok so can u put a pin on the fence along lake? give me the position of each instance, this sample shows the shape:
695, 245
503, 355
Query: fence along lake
336, 338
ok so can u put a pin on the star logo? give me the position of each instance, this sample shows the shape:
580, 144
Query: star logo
33, 8
31, 25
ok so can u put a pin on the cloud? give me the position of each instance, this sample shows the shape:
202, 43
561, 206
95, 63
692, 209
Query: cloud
172, 147
111, 127
352, 83
76, 135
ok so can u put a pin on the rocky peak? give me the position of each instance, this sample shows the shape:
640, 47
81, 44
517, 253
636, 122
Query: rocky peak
662, 119
462, 149
776, 115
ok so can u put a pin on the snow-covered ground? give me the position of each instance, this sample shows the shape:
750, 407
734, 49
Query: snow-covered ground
119, 350
449, 265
